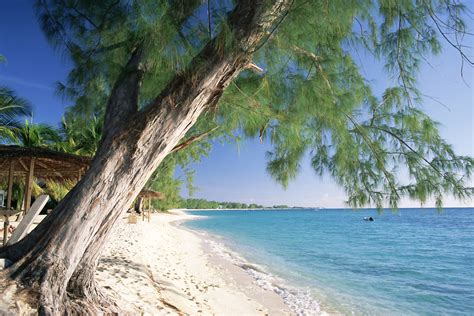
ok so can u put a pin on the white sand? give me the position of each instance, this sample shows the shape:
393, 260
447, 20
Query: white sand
158, 268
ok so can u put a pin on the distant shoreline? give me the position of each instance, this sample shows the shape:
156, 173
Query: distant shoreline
249, 209
321, 208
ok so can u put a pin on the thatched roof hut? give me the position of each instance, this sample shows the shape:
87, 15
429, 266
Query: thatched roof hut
18, 163
153, 195
46, 164
28, 163
149, 195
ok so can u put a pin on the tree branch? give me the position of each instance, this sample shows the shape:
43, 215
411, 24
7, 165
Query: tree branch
123, 101
201, 84
254, 67
250, 22
192, 140
457, 47
209, 17
403, 142
85, 17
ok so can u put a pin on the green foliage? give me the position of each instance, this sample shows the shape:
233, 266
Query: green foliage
37, 135
18, 191
80, 135
58, 190
103, 35
12, 109
205, 204
311, 99
163, 181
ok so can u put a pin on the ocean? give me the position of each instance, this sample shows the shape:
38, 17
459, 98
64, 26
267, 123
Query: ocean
409, 262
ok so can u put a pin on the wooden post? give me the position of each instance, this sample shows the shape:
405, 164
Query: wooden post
6, 223
149, 209
10, 185
29, 184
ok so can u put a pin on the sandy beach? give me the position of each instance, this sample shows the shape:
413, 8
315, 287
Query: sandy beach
159, 268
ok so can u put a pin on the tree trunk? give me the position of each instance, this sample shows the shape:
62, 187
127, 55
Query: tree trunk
60, 255
82, 288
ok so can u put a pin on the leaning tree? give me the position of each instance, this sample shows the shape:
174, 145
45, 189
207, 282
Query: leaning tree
161, 73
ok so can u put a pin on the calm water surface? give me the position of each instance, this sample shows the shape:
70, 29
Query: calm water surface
415, 261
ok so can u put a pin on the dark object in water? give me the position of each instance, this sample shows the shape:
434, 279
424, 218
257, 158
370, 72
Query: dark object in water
368, 219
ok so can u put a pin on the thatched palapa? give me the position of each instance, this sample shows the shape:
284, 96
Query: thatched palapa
32, 162
47, 164
153, 195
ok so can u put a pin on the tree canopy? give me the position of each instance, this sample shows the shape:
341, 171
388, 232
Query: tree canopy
303, 92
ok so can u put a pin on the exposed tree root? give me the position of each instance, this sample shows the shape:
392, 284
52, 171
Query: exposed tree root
95, 302
84, 299
84, 293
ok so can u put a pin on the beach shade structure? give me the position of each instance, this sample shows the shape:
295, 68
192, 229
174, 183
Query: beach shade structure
18, 163
149, 195
152, 195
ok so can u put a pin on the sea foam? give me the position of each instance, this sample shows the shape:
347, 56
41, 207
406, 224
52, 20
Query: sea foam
299, 300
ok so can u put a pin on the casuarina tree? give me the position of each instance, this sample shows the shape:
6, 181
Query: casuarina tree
162, 73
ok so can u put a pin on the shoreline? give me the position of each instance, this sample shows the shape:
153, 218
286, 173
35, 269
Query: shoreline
163, 268
298, 299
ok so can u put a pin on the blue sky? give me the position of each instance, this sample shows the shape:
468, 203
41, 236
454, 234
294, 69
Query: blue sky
237, 172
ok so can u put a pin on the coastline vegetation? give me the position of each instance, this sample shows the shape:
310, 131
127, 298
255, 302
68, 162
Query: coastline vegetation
205, 204
198, 203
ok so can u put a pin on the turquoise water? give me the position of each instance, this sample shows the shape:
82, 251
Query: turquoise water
416, 261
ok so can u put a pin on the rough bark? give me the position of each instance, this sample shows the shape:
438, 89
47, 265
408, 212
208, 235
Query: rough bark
50, 260
83, 292
123, 101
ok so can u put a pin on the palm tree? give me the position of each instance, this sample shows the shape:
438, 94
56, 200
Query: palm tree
80, 136
33, 135
12, 108
37, 135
